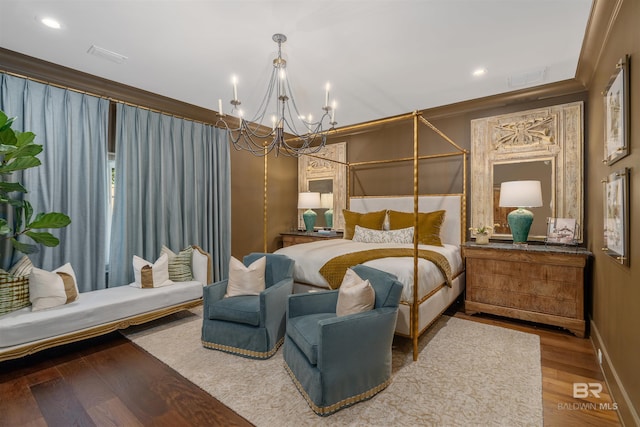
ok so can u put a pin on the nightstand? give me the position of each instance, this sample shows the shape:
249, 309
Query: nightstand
537, 283
290, 238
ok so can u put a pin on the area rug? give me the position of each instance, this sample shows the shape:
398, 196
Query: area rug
467, 373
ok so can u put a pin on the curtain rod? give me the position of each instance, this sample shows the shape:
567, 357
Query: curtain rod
109, 98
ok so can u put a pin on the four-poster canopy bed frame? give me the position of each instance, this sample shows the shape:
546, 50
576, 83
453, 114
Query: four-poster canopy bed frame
415, 329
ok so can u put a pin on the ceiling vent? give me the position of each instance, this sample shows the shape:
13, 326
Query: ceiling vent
528, 78
106, 54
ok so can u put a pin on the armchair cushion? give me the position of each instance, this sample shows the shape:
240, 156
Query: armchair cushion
305, 332
355, 295
241, 309
246, 280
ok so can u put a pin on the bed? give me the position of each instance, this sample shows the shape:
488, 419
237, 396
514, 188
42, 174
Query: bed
436, 290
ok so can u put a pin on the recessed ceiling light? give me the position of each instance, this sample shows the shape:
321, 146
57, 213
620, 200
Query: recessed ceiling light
479, 72
51, 23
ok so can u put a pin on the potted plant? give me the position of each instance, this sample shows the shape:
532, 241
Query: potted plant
18, 152
482, 233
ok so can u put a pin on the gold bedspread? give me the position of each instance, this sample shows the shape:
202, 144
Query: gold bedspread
334, 269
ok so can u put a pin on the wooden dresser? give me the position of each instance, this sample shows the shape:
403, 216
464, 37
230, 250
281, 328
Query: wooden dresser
537, 283
295, 237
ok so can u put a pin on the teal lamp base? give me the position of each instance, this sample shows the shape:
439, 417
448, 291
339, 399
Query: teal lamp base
309, 218
520, 222
328, 218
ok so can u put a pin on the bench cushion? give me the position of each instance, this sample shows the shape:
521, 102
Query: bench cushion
91, 309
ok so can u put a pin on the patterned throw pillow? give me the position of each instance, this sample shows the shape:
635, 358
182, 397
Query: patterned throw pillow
179, 264
367, 235
22, 267
14, 292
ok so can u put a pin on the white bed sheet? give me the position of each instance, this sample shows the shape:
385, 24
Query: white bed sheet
310, 257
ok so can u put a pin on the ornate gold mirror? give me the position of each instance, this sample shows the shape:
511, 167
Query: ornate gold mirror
544, 144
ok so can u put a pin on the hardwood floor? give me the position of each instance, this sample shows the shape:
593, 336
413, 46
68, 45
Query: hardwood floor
109, 381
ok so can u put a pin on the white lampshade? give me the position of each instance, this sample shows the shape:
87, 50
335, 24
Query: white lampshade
308, 200
326, 200
520, 194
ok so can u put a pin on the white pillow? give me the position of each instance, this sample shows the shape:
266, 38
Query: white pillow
367, 235
355, 295
149, 275
246, 280
48, 289
201, 265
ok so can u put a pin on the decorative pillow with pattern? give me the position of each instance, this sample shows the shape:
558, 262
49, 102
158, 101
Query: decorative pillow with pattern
49, 289
245, 280
14, 292
367, 235
373, 220
22, 267
149, 275
179, 264
355, 295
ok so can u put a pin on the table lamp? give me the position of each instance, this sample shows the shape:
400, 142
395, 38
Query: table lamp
326, 202
520, 195
309, 200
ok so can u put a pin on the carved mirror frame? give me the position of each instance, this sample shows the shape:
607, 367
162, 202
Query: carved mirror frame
549, 134
317, 167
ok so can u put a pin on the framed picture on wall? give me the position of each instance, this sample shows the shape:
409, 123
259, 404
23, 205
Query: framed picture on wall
616, 114
561, 231
616, 216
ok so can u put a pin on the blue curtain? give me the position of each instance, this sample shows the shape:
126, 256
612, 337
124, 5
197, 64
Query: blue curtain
172, 188
73, 178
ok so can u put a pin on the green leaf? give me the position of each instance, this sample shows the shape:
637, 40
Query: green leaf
29, 150
45, 238
5, 122
24, 138
24, 247
4, 227
8, 137
20, 163
12, 186
51, 220
28, 211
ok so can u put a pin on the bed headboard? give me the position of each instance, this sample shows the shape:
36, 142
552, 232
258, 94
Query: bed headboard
452, 228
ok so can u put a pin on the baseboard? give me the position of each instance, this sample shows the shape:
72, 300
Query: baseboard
627, 413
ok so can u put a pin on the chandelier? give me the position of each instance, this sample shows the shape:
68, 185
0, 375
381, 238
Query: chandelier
286, 130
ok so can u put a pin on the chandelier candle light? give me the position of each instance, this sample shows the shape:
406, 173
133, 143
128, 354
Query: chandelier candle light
520, 195
278, 105
309, 200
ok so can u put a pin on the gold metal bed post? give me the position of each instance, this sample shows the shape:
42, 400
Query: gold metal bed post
414, 316
264, 202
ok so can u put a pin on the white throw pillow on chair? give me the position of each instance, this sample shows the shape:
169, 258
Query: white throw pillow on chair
355, 295
246, 280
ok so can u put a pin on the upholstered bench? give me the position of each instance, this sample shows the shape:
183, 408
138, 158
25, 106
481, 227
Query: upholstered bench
98, 312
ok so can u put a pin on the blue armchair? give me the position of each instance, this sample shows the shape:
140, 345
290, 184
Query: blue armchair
252, 326
335, 361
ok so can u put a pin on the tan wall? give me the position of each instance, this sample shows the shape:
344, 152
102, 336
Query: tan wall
247, 201
616, 288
